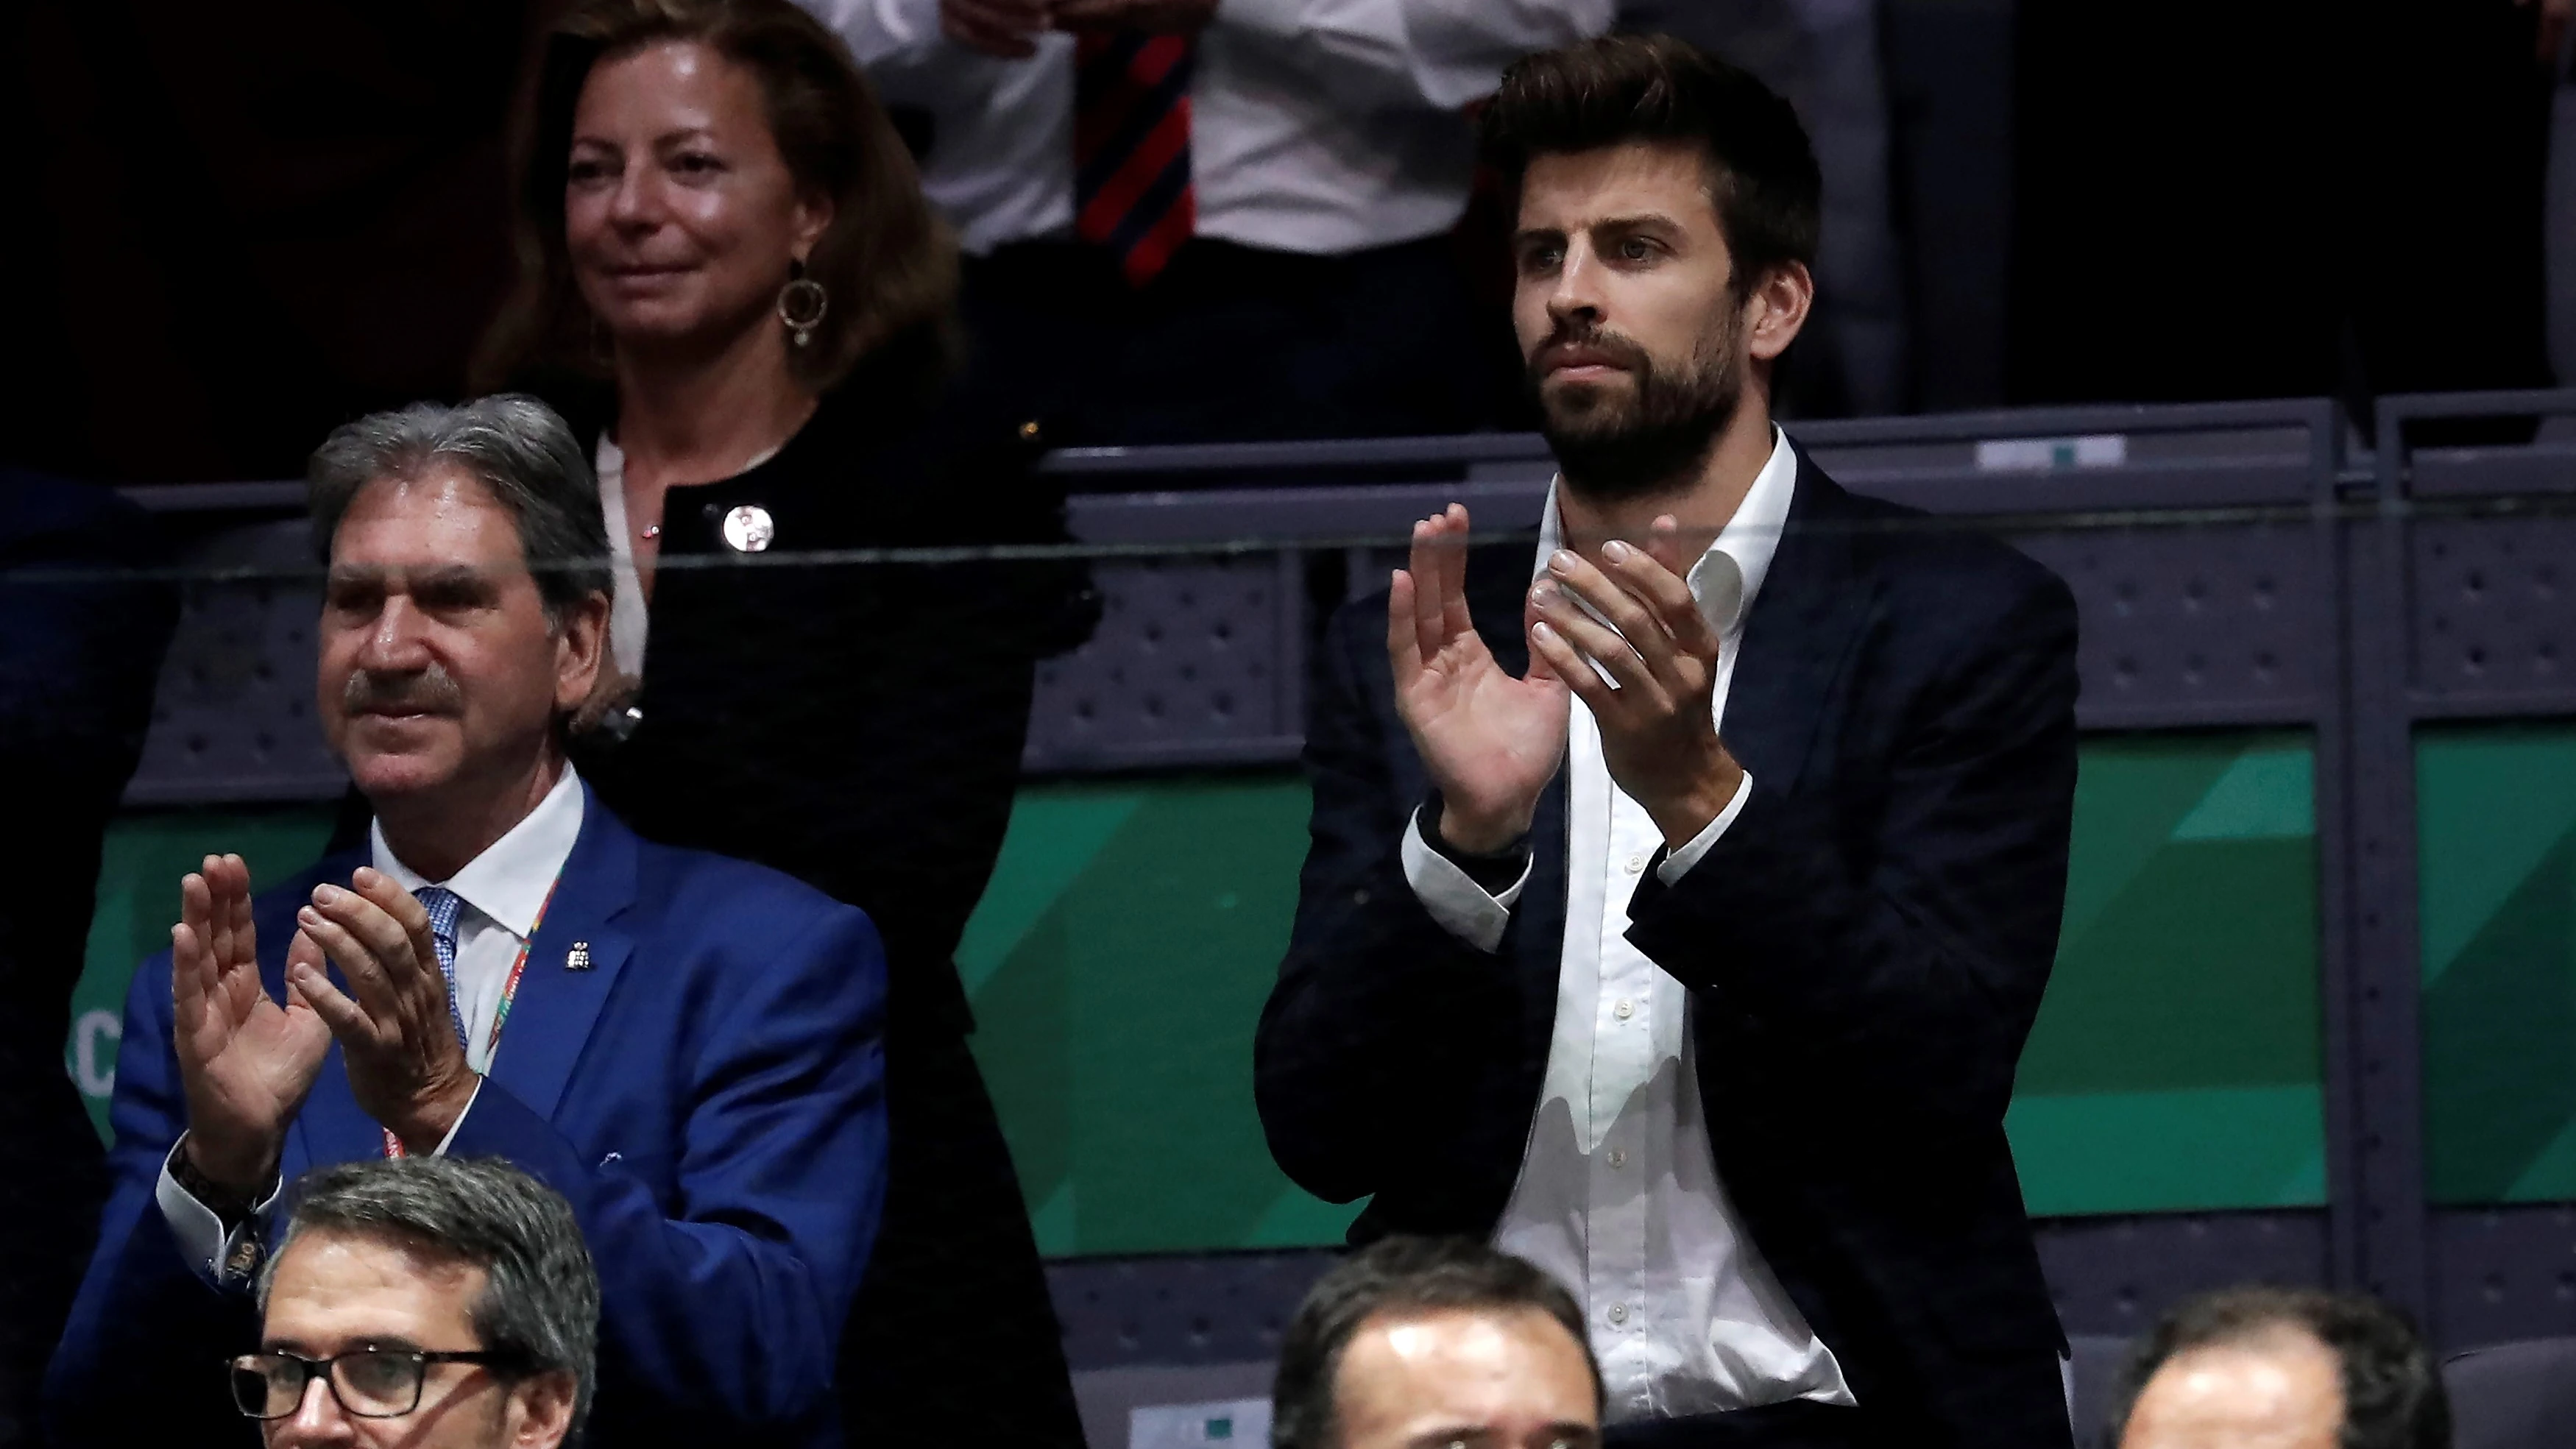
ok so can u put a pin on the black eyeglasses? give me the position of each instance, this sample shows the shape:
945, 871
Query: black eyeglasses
370, 1383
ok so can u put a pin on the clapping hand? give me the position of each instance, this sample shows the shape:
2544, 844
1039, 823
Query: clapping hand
245, 1062
1490, 742
1658, 725
406, 1067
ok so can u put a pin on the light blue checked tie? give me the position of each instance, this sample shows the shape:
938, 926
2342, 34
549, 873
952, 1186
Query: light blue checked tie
442, 905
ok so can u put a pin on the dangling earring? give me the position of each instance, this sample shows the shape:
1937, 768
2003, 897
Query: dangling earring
801, 304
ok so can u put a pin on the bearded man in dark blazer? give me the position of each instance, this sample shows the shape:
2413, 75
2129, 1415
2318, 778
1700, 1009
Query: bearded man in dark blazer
1678, 904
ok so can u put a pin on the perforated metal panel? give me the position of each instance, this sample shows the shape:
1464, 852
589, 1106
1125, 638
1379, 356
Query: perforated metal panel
2493, 627
1194, 662
2115, 1276
233, 717
2197, 626
1182, 1309
2504, 1273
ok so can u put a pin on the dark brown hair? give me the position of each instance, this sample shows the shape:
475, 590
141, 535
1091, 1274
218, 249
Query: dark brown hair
1625, 90
1399, 1275
888, 262
2392, 1392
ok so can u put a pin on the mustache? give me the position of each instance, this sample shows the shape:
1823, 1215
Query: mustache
1591, 337
431, 691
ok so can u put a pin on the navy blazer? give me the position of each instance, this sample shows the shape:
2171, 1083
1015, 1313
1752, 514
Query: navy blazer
1865, 948
707, 1093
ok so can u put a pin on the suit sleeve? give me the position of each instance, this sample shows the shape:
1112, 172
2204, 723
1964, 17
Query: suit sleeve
1892, 971
140, 1303
1352, 1066
733, 1310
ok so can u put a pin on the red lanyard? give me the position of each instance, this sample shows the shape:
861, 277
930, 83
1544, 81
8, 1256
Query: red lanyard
501, 1013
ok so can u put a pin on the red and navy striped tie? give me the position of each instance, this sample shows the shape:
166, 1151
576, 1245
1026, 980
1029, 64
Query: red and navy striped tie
1131, 148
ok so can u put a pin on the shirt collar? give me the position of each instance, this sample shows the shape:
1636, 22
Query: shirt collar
1730, 573
509, 882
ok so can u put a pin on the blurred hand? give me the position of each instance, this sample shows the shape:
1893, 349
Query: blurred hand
1004, 28
1157, 17
1489, 742
245, 1062
1658, 727
406, 1067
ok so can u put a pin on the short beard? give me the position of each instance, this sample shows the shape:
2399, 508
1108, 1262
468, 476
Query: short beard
1615, 449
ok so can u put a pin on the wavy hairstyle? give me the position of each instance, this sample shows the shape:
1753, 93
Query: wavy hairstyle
888, 260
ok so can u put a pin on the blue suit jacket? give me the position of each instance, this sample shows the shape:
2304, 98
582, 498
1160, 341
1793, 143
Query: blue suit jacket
709, 1095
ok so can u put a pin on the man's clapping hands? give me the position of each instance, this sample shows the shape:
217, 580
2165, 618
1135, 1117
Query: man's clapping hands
247, 1061
1491, 742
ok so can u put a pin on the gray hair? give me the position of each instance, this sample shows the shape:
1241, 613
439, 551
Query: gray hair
517, 446
540, 1298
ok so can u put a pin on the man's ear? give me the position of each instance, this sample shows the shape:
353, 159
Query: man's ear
545, 1405
581, 649
1777, 309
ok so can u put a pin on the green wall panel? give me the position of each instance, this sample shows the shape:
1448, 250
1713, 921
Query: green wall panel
2496, 855
1118, 966
1119, 963
2178, 1059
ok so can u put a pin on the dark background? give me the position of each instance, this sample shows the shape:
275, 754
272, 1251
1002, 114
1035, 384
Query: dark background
241, 225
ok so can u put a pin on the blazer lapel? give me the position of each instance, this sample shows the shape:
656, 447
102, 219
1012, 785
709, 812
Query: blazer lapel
560, 998
1802, 628
550, 1019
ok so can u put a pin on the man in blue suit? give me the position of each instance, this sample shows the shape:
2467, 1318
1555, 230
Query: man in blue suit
685, 1046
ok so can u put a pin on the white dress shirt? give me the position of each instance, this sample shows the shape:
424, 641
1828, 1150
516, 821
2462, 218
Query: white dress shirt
502, 891
629, 620
1618, 1196
626, 618
1316, 126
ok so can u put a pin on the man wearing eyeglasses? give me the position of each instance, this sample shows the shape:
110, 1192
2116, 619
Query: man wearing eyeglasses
425, 1302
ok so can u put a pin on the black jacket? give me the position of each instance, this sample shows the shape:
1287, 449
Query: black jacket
1866, 948
855, 723
859, 725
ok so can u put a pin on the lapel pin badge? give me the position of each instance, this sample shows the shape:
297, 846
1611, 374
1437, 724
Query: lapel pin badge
749, 529
578, 958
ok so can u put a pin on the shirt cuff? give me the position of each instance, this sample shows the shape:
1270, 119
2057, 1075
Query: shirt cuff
460, 1118
213, 1254
1463, 908
1677, 864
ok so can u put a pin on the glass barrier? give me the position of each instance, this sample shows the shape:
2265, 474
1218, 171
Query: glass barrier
2203, 1033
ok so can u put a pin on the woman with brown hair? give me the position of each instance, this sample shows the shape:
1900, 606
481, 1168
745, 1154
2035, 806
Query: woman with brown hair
730, 279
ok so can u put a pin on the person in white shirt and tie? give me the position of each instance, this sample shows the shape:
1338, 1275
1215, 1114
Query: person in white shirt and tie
1199, 220
1678, 903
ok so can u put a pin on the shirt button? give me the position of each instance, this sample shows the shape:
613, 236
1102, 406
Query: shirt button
1624, 1010
1618, 1157
1636, 864
1618, 1313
